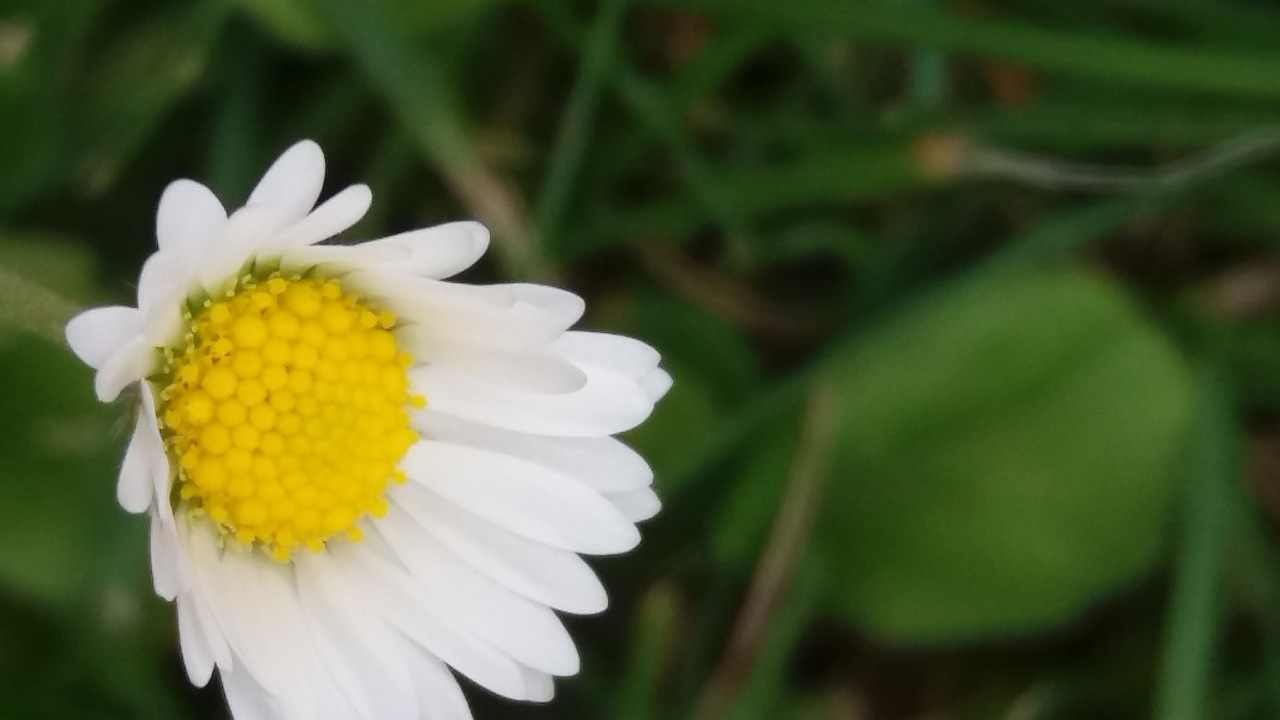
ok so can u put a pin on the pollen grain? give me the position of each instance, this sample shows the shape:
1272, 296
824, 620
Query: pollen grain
286, 411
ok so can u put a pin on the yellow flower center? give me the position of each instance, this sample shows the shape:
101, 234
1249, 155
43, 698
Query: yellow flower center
286, 411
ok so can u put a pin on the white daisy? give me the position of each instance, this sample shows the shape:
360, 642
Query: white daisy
357, 474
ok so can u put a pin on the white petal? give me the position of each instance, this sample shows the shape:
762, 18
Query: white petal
609, 403
529, 632
636, 505
128, 365
208, 603
492, 315
655, 384
541, 687
164, 324
603, 464
163, 275
340, 259
170, 566
189, 219
427, 293
548, 575
515, 369
291, 186
258, 609
365, 659
245, 697
160, 476
402, 603
561, 303
165, 562
618, 353
332, 217
439, 697
245, 233
134, 489
97, 334
437, 252
197, 655
521, 497
204, 621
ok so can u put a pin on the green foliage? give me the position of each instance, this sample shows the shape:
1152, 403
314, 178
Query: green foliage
977, 434
54, 449
1029, 246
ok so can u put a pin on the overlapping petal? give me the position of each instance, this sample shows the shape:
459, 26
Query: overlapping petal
515, 473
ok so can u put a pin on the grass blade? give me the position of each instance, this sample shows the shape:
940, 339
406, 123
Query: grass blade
579, 116
1195, 615
1210, 71
417, 91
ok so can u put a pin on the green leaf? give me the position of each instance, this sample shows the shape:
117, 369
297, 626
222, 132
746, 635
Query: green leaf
1097, 56
836, 171
61, 532
58, 263
765, 689
141, 77
39, 277
37, 39
664, 439
413, 82
741, 526
1005, 458
304, 25
657, 623
686, 333
1196, 610
296, 22
424, 17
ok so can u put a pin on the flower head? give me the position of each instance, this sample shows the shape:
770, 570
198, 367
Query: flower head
358, 474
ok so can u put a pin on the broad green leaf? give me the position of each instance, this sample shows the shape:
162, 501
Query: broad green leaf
1006, 456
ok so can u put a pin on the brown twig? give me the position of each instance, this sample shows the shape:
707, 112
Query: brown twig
498, 205
1245, 291
787, 541
727, 299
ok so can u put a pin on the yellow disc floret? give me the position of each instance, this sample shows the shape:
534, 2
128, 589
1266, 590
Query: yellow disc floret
286, 412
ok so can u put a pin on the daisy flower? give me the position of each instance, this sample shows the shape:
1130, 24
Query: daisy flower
357, 474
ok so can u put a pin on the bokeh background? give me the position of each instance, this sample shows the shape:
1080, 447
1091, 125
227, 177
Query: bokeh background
972, 309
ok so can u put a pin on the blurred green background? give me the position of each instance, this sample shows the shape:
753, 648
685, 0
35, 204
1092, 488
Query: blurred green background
973, 309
